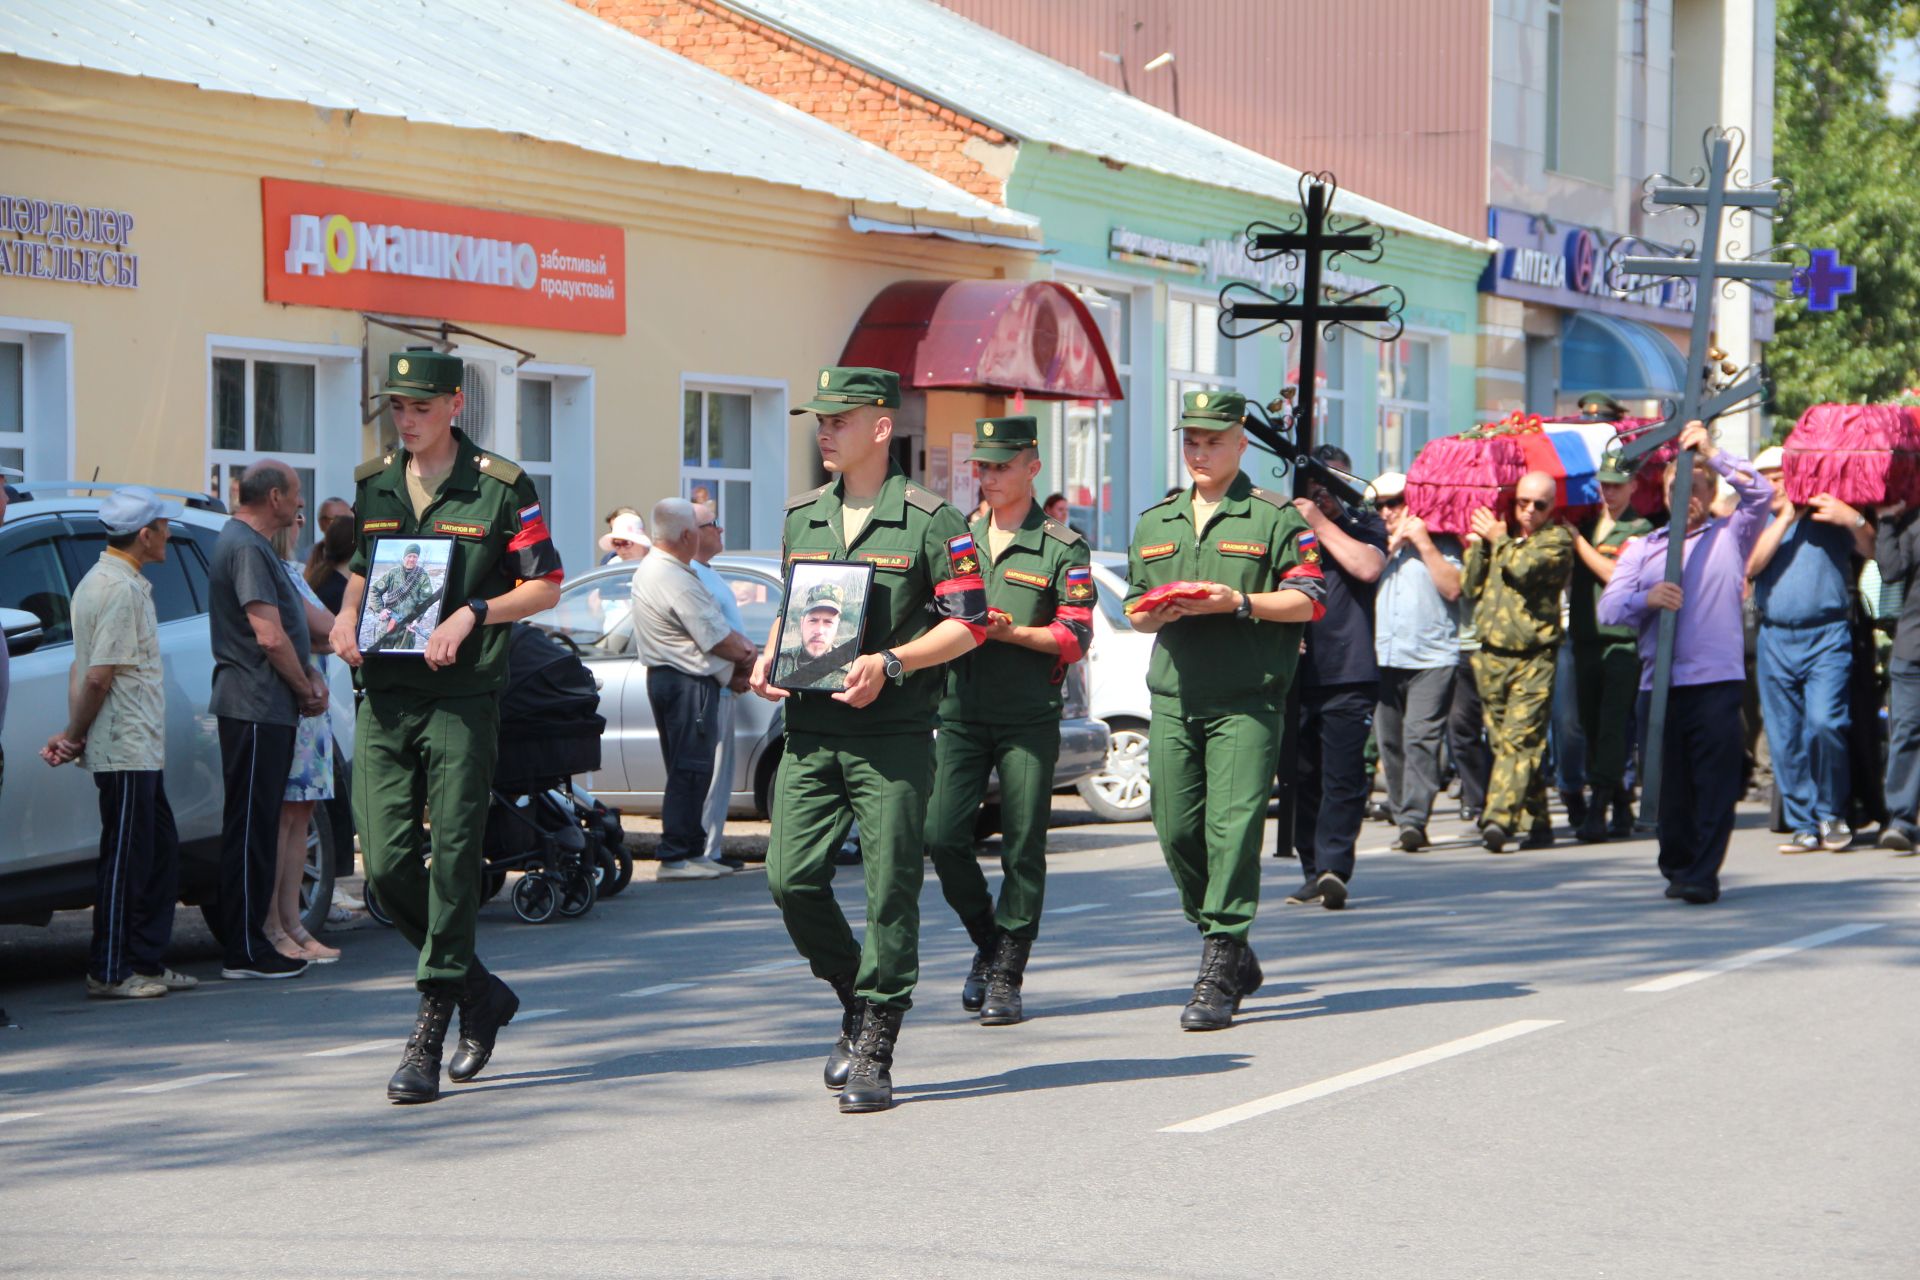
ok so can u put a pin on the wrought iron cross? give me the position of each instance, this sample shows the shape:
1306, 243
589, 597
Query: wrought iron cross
1313, 244
1713, 385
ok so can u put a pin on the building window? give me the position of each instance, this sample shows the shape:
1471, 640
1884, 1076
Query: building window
716, 455
536, 437
1552, 138
1199, 358
13, 405
1406, 402
1092, 448
263, 408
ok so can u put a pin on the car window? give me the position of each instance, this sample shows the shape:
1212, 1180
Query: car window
759, 601
31, 577
595, 614
172, 598
186, 549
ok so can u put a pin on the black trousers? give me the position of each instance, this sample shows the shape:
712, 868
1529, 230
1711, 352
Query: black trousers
1702, 757
686, 711
1467, 737
1332, 783
256, 759
137, 878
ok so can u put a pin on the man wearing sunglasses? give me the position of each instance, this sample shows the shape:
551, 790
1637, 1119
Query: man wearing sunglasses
1515, 572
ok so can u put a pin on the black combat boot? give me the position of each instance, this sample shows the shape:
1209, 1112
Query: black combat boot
1621, 828
418, 1079
1576, 802
1217, 990
1002, 1008
1249, 978
841, 1058
486, 1005
870, 1079
1593, 827
985, 936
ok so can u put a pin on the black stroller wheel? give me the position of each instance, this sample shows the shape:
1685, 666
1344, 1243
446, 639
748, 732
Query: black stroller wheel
491, 886
616, 870
535, 899
577, 892
374, 908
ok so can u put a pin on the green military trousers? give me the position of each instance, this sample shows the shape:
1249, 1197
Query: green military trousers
826, 782
964, 755
1212, 777
1517, 692
1608, 673
414, 756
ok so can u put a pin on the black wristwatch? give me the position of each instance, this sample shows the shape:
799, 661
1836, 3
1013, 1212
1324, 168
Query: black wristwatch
891, 665
479, 608
1245, 608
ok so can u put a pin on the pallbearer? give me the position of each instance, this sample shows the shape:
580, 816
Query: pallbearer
866, 753
1002, 713
1244, 574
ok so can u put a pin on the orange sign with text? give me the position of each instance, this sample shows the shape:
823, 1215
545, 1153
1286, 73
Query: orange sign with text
333, 247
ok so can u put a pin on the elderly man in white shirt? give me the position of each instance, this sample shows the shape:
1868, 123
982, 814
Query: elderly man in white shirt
690, 652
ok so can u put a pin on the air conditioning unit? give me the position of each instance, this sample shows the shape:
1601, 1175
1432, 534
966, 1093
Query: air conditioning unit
476, 415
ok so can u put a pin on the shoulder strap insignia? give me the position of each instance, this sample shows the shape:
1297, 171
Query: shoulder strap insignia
1175, 496
1271, 498
925, 499
492, 464
1061, 533
372, 467
799, 500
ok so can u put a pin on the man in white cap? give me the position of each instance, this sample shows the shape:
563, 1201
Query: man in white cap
1416, 641
116, 730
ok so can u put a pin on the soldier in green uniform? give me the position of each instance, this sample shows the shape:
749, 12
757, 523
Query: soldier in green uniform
397, 603
1218, 679
1606, 660
1002, 712
1514, 578
865, 753
428, 729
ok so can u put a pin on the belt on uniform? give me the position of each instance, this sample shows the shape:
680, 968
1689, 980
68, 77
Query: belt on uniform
1518, 653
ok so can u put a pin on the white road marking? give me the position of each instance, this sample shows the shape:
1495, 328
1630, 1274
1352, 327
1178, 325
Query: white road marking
1157, 893
185, 1082
1084, 906
8, 1117
775, 967
530, 1015
1353, 1079
1745, 958
347, 1050
659, 989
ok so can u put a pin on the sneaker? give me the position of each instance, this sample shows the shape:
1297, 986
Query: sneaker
134, 987
1332, 890
688, 869
720, 865
1413, 839
1308, 892
171, 980
1804, 842
1892, 837
730, 862
1835, 835
270, 967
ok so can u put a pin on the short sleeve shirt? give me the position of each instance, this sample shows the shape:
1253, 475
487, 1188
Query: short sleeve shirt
676, 620
114, 626
1415, 628
722, 596
1340, 645
246, 571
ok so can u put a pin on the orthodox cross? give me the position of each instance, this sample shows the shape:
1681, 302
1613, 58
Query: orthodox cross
1312, 244
1714, 385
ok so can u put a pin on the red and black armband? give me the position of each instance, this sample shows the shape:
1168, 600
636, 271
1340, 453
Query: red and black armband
963, 596
1072, 629
531, 555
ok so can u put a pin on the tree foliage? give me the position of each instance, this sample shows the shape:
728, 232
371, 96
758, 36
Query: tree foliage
1853, 165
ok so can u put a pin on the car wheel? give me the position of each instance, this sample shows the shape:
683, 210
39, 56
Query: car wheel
763, 783
316, 875
1120, 791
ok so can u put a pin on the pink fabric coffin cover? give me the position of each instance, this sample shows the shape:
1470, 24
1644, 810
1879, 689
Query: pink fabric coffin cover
1456, 475
1862, 454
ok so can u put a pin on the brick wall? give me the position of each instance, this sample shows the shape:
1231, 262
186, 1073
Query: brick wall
962, 151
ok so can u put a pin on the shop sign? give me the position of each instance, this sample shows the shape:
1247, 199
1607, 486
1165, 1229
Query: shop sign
1219, 260
1565, 266
333, 247
69, 243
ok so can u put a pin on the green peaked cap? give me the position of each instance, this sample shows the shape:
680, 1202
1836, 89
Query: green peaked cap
1212, 410
844, 387
1002, 439
420, 373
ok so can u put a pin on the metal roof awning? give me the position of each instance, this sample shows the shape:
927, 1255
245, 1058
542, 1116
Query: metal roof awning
1617, 355
1031, 336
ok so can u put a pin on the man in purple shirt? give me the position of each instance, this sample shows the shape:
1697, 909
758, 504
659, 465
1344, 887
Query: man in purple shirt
1701, 745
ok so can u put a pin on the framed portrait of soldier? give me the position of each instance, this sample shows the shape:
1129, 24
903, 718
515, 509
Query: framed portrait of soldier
820, 627
406, 592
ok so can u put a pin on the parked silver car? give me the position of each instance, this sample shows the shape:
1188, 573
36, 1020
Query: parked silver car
1119, 790
50, 818
595, 613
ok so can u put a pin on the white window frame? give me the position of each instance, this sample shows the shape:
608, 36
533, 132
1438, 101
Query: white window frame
570, 471
766, 474
1193, 379
336, 401
1126, 292
1434, 406
47, 440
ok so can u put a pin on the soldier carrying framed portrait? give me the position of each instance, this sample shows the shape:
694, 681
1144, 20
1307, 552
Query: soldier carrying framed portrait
820, 626
406, 589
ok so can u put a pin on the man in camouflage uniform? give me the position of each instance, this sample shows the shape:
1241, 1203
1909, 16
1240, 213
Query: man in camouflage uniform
810, 655
1514, 576
1606, 660
399, 601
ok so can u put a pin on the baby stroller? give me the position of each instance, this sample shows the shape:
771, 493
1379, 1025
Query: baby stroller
569, 847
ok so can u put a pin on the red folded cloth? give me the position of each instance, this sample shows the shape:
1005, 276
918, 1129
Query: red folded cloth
1170, 591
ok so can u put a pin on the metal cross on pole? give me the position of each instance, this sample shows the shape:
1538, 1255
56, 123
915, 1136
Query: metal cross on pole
1713, 385
1317, 239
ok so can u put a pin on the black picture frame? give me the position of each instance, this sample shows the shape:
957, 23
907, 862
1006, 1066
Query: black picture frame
800, 664
410, 617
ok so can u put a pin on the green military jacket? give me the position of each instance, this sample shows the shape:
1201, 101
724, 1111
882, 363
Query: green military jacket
1042, 579
1583, 593
1515, 586
403, 596
490, 509
925, 570
1254, 542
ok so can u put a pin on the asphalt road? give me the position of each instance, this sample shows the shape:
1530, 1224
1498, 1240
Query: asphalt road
1527, 1066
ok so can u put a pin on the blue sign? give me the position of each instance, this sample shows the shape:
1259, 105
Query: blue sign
1562, 265
1823, 280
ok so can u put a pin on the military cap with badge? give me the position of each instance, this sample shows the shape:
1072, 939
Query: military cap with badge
421, 373
844, 387
1211, 410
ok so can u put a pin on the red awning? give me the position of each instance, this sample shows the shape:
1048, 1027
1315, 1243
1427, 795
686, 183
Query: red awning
986, 335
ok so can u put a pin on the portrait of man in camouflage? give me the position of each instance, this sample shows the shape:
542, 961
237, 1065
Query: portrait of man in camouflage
820, 636
405, 595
